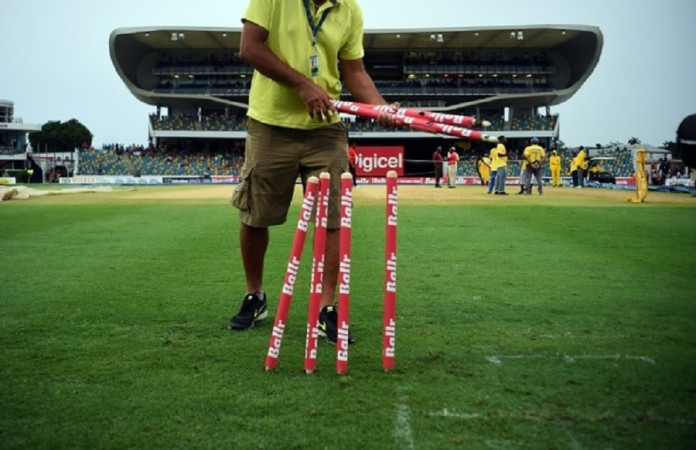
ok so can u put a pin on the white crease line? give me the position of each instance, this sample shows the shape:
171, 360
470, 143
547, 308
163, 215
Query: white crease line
497, 359
574, 443
570, 335
455, 414
646, 359
402, 426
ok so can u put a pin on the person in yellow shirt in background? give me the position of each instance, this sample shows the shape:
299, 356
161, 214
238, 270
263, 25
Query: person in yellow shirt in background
500, 166
641, 177
523, 170
555, 165
582, 166
523, 176
534, 155
573, 169
494, 168
484, 170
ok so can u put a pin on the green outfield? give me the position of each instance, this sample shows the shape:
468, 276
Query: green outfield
523, 322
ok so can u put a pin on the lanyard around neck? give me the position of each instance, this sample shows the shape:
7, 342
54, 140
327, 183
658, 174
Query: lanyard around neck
315, 27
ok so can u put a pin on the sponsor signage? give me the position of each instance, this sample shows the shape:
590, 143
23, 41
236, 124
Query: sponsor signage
377, 161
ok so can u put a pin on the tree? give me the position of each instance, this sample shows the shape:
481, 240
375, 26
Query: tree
634, 141
60, 137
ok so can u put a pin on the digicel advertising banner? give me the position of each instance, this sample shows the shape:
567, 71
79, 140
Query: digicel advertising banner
377, 161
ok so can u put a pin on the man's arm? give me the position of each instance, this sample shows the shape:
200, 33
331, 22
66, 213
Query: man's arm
359, 83
253, 50
363, 89
525, 155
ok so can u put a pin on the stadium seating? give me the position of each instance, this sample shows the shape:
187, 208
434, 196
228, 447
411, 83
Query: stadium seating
159, 162
108, 161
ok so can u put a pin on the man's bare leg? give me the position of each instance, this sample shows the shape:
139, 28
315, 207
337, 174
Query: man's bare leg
253, 243
328, 289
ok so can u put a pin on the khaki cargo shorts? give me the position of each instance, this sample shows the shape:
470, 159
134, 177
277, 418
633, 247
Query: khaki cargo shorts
275, 157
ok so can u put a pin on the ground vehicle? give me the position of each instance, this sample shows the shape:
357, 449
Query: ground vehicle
599, 169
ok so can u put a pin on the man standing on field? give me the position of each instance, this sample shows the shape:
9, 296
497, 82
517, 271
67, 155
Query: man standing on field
452, 160
304, 52
582, 166
555, 165
493, 165
437, 165
534, 155
500, 166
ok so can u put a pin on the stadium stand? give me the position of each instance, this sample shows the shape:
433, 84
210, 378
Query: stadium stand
13, 141
109, 161
159, 161
511, 76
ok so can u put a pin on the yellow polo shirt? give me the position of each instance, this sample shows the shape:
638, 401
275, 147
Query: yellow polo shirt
499, 161
574, 164
534, 153
492, 156
582, 162
290, 39
555, 161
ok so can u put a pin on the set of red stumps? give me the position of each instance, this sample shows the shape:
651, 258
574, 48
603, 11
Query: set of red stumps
317, 195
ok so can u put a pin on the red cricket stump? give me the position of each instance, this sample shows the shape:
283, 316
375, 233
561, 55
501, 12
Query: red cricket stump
389, 326
317, 273
426, 123
448, 119
344, 273
305, 218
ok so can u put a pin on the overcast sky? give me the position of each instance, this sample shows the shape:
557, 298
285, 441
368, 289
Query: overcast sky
56, 65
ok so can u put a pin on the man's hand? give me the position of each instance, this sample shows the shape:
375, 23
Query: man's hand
387, 120
317, 101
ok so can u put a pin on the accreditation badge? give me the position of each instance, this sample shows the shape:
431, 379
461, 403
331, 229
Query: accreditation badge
314, 65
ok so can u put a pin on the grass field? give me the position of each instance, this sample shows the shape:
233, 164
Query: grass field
558, 322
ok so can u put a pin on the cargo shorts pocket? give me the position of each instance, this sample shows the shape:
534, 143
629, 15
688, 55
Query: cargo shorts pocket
241, 197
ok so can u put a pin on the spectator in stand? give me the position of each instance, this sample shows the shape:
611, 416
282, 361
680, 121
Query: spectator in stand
452, 160
501, 157
555, 164
437, 165
654, 174
664, 169
534, 155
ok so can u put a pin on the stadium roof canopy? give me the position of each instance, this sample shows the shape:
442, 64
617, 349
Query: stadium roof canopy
573, 51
